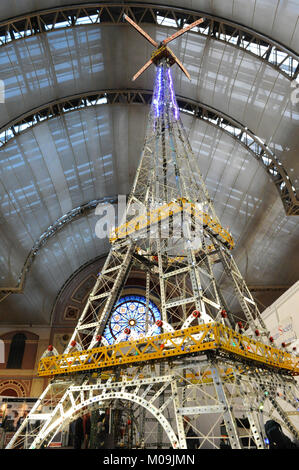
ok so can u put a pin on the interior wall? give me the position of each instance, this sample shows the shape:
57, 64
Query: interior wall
282, 317
282, 320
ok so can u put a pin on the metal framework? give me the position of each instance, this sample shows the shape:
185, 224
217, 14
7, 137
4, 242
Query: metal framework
202, 380
49, 233
189, 391
263, 47
235, 129
189, 341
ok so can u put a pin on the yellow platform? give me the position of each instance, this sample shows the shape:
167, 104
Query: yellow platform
194, 340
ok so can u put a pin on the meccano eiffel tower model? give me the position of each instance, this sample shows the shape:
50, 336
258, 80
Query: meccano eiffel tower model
198, 376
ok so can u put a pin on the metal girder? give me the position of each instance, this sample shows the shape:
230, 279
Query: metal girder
252, 417
195, 410
228, 416
272, 397
204, 365
222, 397
203, 387
260, 151
239, 36
52, 427
273, 288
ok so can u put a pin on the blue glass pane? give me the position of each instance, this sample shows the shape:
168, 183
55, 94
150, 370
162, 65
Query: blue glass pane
130, 312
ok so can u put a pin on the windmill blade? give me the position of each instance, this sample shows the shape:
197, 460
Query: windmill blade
140, 30
182, 31
150, 62
179, 63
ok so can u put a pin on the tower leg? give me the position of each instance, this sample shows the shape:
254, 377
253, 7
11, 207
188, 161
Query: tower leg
228, 417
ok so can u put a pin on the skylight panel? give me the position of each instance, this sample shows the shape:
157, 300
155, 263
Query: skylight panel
161, 20
84, 20
62, 24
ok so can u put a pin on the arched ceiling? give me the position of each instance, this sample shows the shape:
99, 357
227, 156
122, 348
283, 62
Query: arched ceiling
92, 153
277, 19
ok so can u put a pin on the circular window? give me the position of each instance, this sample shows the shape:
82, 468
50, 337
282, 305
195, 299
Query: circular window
130, 312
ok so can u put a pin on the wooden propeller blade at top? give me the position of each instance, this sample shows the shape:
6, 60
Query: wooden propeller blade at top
182, 31
179, 63
150, 62
140, 30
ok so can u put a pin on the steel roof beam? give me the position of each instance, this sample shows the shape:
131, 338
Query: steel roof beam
261, 46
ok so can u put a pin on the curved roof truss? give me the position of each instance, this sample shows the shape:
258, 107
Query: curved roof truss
199, 110
46, 235
266, 49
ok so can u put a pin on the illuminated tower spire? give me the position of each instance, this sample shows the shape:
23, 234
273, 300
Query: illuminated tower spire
168, 169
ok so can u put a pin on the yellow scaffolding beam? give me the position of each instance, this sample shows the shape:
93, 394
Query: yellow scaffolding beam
144, 221
196, 339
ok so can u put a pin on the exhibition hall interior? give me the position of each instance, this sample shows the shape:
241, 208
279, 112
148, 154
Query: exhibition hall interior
149, 233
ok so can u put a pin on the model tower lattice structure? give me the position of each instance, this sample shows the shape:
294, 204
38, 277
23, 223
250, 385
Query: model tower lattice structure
200, 376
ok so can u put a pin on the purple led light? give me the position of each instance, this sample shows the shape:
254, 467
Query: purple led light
173, 100
156, 103
158, 88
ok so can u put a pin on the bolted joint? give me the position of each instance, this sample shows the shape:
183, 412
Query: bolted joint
196, 314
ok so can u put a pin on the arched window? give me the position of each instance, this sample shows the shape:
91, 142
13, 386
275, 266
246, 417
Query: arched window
9, 392
16, 352
130, 312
